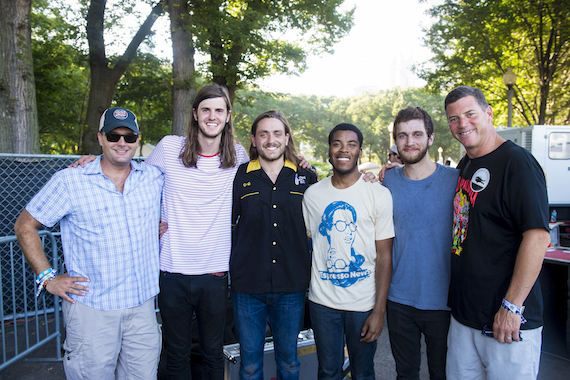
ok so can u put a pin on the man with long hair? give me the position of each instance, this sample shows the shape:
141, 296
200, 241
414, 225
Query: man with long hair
194, 257
270, 262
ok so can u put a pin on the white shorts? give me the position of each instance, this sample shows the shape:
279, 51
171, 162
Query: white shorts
114, 344
472, 355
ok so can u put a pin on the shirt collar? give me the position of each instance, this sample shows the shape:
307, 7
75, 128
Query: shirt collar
256, 165
95, 166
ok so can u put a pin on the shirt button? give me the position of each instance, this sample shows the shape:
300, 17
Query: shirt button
274, 188
274, 243
274, 261
274, 206
274, 224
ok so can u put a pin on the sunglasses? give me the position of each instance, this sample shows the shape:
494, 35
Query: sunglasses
129, 137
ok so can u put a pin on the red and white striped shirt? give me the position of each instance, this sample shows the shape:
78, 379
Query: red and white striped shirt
197, 205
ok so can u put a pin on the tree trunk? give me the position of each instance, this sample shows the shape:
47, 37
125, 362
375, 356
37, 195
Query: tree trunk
19, 131
103, 78
101, 93
184, 87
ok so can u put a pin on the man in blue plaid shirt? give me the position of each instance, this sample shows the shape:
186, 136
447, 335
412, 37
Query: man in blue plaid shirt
109, 213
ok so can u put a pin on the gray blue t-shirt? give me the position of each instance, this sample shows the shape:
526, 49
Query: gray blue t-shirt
423, 221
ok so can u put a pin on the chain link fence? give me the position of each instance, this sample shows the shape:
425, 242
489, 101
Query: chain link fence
21, 177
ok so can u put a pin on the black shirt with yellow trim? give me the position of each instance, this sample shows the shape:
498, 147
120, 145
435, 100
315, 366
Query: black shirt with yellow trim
270, 251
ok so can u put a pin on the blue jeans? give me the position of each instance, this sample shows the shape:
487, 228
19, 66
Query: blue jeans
180, 297
285, 312
331, 327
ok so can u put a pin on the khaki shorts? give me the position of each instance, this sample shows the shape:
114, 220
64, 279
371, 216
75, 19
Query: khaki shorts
472, 355
114, 344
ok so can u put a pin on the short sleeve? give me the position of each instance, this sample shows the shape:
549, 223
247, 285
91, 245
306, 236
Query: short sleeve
157, 156
384, 223
52, 202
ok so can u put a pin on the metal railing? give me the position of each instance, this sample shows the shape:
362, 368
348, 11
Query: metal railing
27, 322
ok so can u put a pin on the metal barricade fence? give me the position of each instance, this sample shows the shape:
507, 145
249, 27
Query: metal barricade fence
28, 322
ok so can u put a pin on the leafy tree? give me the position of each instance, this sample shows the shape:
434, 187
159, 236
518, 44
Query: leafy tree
312, 118
146, 89
18, 121
244, 41
61, 76
243, 38
106, 72
475, 42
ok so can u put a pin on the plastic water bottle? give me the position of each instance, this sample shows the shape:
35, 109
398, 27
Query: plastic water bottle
553, 216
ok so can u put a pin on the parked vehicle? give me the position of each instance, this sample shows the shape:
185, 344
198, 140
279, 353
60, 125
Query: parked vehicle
550, 145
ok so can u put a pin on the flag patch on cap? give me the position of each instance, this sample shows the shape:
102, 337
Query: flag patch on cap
120, 114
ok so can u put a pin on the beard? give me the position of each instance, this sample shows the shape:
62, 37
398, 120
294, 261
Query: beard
277, 154
413, 158
209, 135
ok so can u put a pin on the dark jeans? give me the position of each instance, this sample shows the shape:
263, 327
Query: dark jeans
331, 326
181, 296
405, 326
285, 312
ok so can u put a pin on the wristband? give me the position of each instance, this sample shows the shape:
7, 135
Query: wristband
512, 308
41, 275
44, 280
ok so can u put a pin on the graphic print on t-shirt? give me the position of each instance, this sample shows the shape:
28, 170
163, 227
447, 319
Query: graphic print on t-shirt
465, 196
339, 225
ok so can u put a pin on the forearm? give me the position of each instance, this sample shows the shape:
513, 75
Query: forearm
26, 229
527, 265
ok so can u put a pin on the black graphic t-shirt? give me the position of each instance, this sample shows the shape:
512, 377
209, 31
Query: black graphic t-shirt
498, 197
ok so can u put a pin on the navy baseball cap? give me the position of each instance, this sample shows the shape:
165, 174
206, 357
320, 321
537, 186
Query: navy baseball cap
118, 117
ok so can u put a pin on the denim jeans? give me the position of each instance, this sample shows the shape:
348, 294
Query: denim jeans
181, 296
285, 313
331, 327
406, 325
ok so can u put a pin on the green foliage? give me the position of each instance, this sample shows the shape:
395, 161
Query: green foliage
324, 169
244, 39
146, 89
62, 80
475, 42
312, 118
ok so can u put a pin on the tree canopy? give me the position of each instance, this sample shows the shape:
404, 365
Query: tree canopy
312, 118
251, 39
474, 43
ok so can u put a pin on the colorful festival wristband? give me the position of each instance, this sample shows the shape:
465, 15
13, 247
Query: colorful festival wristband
44, 280
512, 308
43, 274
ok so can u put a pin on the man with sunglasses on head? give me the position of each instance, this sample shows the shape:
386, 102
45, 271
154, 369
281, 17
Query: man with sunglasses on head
109, 213
350, 223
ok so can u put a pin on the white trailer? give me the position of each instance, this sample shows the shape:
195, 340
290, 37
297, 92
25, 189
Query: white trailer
550, 145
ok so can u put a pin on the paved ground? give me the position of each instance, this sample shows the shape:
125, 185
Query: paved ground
551, 368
